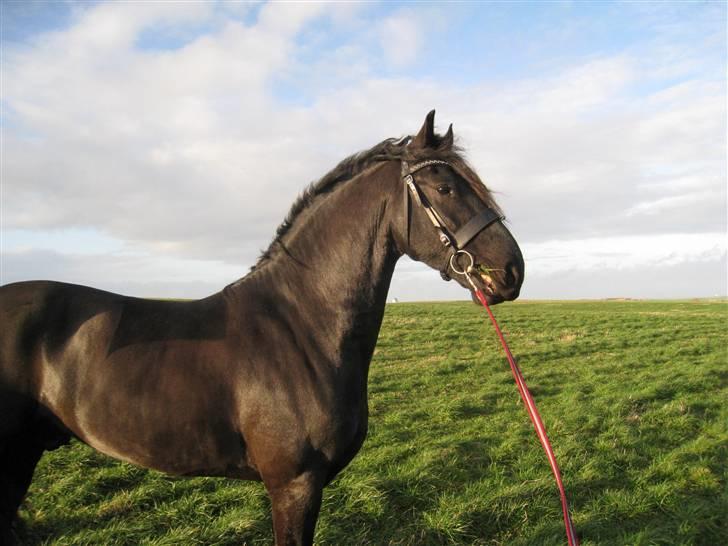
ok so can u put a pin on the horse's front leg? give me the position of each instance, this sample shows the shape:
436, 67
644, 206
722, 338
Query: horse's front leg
295, 509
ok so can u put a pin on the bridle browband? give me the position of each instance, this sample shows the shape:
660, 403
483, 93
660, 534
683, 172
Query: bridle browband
456, 240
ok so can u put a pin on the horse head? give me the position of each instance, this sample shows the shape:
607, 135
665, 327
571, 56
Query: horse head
450, 220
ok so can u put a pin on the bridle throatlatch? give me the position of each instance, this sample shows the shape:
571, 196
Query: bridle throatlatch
456, 241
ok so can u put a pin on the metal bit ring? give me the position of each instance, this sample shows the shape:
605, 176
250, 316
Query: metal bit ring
454, 263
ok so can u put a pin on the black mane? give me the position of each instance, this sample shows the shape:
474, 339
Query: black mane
387, 150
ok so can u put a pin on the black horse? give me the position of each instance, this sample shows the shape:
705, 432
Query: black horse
267, 379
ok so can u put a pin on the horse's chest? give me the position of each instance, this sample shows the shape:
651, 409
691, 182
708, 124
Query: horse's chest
348, 435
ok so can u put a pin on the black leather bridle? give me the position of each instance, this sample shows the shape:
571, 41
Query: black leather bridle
455, 240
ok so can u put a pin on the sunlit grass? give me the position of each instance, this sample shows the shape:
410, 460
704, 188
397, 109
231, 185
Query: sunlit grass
632, 393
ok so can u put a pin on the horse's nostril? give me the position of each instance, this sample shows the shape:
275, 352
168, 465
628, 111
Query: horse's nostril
512, 281
511, 274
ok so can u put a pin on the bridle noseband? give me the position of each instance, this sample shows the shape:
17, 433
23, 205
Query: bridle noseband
456, 240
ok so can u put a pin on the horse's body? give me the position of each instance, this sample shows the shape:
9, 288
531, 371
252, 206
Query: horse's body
265, 380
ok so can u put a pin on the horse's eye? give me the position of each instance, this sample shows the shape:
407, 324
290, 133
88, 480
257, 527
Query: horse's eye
444, 189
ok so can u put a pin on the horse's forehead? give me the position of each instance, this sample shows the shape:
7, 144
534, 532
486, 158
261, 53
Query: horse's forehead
468, 175
474, 182
465, 172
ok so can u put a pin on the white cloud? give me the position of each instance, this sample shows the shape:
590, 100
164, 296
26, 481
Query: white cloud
623, 253
142, 275
665, 204
135, 146
581, 88
401, 37
113, 26
187, 153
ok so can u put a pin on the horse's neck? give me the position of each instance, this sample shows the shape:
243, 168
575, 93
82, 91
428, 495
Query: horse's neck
337, 261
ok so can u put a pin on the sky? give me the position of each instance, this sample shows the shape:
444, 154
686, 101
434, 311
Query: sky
151, 148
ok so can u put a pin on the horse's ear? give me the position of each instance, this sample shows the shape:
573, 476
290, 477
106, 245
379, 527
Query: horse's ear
448, 139
426, 137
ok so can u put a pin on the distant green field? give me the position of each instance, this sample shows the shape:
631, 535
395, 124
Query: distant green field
633, 395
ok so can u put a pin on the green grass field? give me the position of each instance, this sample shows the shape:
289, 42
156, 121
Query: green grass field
633, 395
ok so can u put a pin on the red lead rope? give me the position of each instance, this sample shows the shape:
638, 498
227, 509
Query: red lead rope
536, 420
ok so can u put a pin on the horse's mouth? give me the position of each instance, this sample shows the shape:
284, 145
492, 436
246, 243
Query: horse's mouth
483, 278
485, 282
478, 277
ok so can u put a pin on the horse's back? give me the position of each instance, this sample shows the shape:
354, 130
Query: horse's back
41, 312
123, 374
